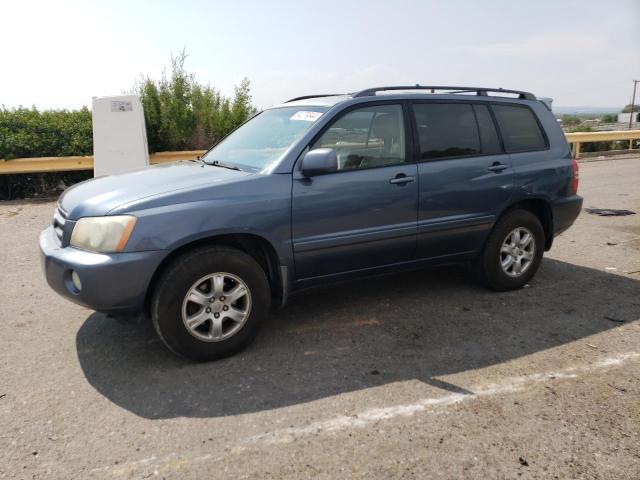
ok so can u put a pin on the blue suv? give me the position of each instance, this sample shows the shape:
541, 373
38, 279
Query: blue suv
319, 189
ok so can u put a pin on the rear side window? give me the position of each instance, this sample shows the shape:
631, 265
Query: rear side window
446, 130
487, 129
520, 130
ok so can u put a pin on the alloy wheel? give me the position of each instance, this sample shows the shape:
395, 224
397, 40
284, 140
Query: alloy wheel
517, 252
216, 307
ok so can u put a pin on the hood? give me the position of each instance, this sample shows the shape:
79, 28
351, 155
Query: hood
99, 196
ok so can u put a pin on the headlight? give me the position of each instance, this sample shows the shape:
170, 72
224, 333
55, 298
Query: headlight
103, 234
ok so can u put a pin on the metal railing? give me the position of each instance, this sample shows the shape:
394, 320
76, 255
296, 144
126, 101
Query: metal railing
576, 139
67, 164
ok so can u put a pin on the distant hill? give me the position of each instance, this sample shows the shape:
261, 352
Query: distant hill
584, 110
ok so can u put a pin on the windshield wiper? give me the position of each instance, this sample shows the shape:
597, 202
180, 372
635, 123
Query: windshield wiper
218, 163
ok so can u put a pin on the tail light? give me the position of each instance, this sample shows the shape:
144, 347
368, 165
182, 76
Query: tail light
575, 176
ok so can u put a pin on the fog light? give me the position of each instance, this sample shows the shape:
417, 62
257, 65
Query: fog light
75, 279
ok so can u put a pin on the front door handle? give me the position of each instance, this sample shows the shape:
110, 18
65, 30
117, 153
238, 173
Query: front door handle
401, 179
497, 167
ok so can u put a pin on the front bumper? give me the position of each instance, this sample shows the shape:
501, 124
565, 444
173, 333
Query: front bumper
113, 283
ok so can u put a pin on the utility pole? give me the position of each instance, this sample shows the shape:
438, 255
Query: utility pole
633, 101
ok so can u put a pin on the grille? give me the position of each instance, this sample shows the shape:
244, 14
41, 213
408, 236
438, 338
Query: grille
59, 220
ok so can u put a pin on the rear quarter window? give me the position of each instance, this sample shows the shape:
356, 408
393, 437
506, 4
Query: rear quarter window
520, 129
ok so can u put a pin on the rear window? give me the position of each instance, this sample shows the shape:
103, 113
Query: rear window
446, 130
519, 128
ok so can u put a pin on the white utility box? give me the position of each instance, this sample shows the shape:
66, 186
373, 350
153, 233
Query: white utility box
119, 135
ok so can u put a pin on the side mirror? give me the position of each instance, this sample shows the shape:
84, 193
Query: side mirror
319, 162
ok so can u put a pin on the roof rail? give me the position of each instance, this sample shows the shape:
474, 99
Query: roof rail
482, 91
305, 97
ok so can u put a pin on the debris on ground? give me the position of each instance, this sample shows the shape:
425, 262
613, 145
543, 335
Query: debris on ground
611, 243
620, 389
11, 213
523, 462
614, 319
609, 212
374, 372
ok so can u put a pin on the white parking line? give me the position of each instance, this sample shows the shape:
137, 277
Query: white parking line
175, 461
367, 417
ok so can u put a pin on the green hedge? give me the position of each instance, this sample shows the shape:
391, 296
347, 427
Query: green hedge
53, 133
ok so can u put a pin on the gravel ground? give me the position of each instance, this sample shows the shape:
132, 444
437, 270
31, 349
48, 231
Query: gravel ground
406, 376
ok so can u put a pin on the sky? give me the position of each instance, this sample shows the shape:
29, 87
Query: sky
60, 54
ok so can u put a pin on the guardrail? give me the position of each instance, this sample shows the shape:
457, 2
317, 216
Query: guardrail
576, 139
67, 164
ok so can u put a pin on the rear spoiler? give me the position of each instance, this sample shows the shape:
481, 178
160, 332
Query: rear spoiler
547, 102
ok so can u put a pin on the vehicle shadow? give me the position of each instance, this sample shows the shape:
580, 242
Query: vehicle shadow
357, 335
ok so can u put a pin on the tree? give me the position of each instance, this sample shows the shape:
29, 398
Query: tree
570, 120
152, 114
627, 108
181, 113
609, 118
242, 108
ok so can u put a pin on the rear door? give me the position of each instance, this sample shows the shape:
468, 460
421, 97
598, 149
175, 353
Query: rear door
365, 214
465, 177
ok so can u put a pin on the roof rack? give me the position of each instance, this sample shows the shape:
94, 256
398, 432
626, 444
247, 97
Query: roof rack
482, 91
305, 97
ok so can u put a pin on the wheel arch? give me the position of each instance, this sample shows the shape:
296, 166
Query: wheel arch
257, 247
542, 210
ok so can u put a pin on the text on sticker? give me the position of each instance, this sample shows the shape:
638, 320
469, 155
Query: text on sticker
306, 116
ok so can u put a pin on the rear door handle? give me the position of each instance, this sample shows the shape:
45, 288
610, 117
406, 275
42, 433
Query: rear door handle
401, 179
497, 167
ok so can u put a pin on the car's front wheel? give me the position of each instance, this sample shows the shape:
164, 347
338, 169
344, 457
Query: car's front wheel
513, 251
209, 303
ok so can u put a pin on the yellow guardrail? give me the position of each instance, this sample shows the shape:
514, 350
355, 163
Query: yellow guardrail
67, 164
578, 138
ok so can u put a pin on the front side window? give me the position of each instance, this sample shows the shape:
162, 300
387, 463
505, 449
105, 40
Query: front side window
520, 130
263, 140
446, 130
367, 137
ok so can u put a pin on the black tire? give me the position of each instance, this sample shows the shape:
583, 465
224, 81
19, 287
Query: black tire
176, 281
487, 265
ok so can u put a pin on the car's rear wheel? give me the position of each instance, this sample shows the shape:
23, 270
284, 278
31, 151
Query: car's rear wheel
209, 303
513, 251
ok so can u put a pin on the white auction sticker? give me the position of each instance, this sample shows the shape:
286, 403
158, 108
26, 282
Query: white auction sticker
306, 116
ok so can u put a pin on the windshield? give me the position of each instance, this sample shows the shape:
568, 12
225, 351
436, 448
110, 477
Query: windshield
263, 139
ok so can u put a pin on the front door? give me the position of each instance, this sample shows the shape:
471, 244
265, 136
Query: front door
365, 214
